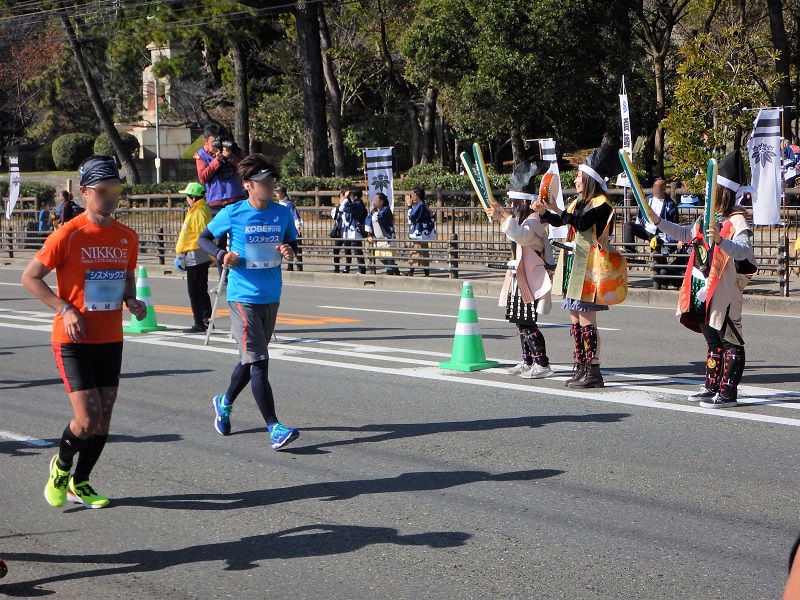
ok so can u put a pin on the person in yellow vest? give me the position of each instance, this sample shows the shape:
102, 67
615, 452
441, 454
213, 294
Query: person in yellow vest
193, 260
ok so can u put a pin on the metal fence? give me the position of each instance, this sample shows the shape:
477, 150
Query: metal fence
467, 244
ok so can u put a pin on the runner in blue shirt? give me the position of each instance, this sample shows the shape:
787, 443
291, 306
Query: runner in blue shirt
262, 234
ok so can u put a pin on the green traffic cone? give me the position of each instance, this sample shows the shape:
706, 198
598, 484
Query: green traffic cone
149, 323
468, 353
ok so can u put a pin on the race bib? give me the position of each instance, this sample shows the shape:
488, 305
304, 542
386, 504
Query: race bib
261, 251
103, 289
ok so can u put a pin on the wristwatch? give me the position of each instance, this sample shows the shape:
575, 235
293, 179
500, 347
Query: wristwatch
65, 309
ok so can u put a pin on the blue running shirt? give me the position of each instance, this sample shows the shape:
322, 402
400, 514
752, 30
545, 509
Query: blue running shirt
255, 235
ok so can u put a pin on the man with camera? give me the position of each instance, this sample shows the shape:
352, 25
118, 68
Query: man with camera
216, 165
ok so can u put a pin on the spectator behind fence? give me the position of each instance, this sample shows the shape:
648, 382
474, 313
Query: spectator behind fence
216, 164
68, 209
193, 260
380, 230
283, 198
663, 206
354, 214
336, 229
45, 216
422, 229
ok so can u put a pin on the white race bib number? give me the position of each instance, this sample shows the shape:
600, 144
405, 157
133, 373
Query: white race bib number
261, 251
103, 289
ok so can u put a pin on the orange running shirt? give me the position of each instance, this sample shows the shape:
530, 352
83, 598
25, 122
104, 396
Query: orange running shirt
91, 263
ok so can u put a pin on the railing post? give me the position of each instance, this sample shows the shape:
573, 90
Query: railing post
783, 261
453, 253
160, 244
317, 197
10, 241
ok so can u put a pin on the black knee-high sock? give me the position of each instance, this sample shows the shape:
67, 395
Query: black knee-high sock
537, 345
527, 357
239, 380
589, 342
71, 444
576, 331
262, 390
87, 458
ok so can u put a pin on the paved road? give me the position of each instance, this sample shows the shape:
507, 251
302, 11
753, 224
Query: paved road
407, 481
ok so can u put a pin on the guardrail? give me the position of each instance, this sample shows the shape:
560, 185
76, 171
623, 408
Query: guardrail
467, 244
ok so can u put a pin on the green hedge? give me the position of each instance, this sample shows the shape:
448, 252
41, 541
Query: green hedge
103, 145
30, 189
71, 149
43, 158
165, 187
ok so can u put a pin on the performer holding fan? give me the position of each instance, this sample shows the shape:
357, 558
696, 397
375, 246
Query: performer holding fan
710, 300
526, 290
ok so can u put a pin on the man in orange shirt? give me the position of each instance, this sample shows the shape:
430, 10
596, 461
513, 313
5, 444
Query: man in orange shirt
94, 257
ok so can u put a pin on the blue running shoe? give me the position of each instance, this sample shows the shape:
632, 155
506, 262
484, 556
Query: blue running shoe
280, 436
222, 410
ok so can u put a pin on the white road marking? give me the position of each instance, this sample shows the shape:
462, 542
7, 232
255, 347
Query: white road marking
419, 314
628, 394
631, 398
28, 441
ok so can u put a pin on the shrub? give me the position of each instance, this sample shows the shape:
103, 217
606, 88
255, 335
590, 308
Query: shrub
41, 191
103, 145
43, 158
71, 149
305, 184
165, 187
30, 189
292, 163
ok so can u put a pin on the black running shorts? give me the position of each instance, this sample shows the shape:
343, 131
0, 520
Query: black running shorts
88, 366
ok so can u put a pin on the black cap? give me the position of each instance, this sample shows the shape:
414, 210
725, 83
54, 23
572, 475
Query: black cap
524, 174
263, 174
729, 174
602, 163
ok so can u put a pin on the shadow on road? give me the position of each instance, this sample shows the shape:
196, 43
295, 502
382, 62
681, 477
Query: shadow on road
298, 542
20, 448
331, 491
395, 431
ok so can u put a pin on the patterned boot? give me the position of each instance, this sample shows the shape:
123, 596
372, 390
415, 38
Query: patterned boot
578, 366
732, 369
713, 374
592, 377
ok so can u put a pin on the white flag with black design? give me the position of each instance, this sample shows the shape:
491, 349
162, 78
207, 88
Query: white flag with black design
380, 176
548, 147
13, 185
627, 137
764, 150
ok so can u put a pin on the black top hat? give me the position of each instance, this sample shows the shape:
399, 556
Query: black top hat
602, 163
730, 171
522, 183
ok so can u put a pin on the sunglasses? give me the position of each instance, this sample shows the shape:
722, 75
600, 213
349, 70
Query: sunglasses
106, 191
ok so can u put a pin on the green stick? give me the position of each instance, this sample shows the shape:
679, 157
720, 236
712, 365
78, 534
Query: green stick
636, 188
711, 198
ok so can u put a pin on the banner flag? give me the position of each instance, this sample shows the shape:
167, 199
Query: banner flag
627, 138
13, 185
764, 150
548, 147
380, 176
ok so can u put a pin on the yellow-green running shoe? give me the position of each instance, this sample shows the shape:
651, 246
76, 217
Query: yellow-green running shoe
55, 492
82, 493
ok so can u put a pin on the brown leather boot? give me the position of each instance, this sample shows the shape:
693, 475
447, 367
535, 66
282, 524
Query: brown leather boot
592, 378
578, 371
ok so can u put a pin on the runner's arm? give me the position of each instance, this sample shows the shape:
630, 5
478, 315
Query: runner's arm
33, 281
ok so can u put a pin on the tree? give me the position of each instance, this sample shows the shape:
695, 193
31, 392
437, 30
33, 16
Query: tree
721, 74
106, 123
656, 21
315, 147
